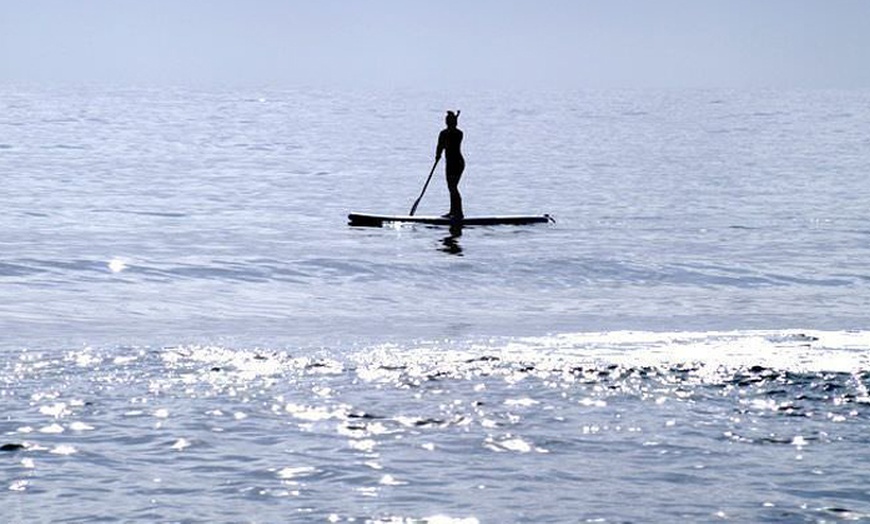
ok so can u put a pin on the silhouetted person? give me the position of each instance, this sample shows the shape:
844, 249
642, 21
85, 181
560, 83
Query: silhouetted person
450, 143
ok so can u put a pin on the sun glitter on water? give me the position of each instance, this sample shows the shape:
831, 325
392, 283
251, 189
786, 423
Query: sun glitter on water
116, 265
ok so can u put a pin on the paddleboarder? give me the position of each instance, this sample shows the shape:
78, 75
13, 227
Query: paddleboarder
450, 143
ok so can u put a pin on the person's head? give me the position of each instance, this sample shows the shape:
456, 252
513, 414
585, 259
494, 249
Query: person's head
452, 119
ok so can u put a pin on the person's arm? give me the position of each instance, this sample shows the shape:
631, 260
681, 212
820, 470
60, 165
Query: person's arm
442, 143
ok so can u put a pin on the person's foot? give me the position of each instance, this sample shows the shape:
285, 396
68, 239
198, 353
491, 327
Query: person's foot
446, 215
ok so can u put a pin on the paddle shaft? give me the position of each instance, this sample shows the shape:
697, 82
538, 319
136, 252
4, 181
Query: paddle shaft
417, 202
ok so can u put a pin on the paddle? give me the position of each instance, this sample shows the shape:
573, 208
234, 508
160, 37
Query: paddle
417, 203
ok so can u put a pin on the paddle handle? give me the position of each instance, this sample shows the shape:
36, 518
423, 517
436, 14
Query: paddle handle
417, 202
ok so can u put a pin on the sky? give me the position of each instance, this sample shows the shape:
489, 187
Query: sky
430, 43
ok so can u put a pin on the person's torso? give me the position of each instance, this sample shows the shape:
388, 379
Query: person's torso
451, 139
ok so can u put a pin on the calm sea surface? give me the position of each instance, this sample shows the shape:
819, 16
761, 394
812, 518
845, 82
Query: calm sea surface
190, 332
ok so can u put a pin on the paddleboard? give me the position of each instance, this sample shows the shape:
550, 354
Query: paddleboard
370, 220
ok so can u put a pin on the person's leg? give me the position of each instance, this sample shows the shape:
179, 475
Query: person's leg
454, 173
455, 197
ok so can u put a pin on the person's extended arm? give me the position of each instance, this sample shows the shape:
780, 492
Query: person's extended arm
442, 143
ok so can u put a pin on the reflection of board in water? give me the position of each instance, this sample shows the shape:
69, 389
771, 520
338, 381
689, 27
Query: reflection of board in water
365, 219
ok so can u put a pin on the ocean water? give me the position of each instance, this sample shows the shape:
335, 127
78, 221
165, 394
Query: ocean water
190, 332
